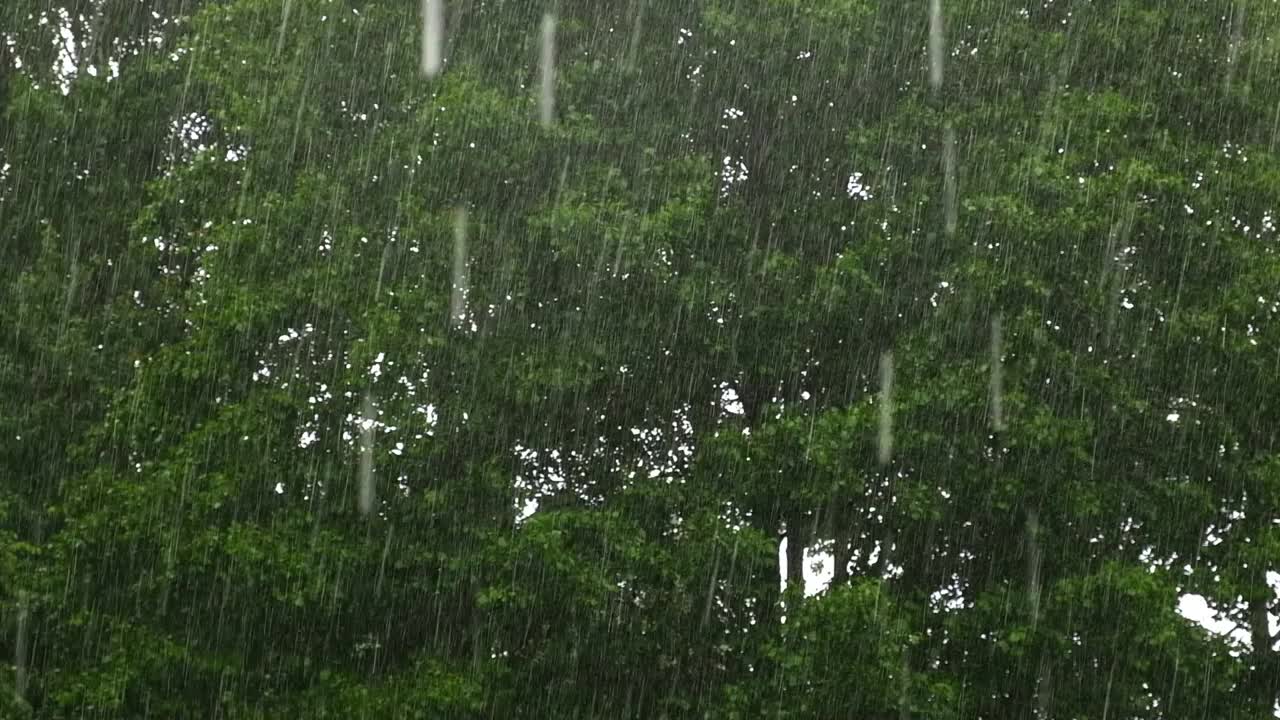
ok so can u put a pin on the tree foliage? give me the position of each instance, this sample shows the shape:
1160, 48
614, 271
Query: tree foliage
756, 246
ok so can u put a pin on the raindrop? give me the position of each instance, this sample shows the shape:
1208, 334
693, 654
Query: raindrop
382, 269
1237, 39
1034, 559
949, 178
997, 374
461, 273
547, 70
284, 24
636, 30
432, 36
366, 455
23, 632
935, 44
885, 444
382, 566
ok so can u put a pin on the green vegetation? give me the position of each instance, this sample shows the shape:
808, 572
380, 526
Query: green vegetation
212, 255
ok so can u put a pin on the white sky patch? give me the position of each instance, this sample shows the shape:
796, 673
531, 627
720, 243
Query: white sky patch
731, 172
949, 598
1197, 609
431, 415
819, 569
12, 43
729, 400
66, 64
858, 189
544, 476
526, 510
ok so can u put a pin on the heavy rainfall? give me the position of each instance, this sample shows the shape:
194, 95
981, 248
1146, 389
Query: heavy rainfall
716, 359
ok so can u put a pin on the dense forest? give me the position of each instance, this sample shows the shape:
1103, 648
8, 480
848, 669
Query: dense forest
718, 359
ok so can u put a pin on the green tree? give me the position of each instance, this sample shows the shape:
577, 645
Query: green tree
266, 455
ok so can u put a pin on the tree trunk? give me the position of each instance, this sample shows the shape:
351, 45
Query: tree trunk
840, 557
1265, 677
